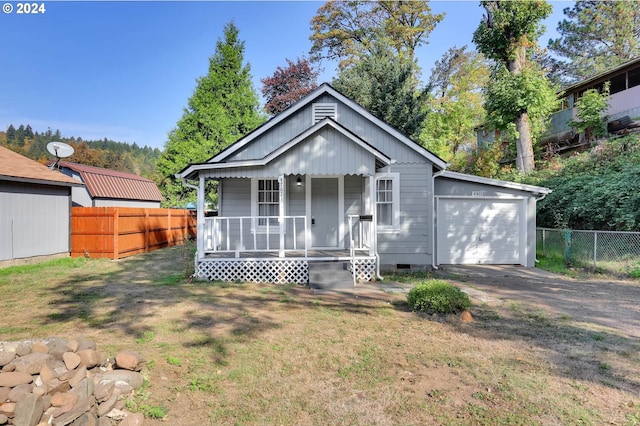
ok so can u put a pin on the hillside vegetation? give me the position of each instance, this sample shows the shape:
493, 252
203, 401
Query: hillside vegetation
105, 153
598, 189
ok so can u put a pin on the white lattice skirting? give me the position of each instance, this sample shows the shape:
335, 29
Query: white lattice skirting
277, 271
365, 269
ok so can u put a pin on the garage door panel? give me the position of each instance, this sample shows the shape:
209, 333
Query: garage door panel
474, 231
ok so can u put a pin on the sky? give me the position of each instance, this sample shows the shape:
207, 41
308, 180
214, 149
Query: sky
125, 70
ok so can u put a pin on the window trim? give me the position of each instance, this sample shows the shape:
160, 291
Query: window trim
395, 203
262, 229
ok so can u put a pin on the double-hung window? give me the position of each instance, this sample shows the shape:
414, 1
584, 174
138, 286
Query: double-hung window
268, 201
388, 201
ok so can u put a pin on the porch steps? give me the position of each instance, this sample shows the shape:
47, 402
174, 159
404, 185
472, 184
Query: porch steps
330, 276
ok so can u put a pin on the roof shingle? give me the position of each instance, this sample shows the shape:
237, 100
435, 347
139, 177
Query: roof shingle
16, 167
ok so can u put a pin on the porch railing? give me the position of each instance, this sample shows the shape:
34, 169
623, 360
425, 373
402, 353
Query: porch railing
255, 234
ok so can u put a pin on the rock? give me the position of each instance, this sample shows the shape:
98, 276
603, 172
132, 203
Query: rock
46, 374
23, 349
3, 419
71, 360
6, 357
31, 363
129, 360
84, 389
77, 376
63, 398
39, 347
466, 316
133, 419
132, 378
4, 393
73, 345
87, 419
84, 343
19, 392
88, 357
8, 409
105, 421
28, 411
56, 385
103, 390
15, 378
83, 406
109, 404
9, 367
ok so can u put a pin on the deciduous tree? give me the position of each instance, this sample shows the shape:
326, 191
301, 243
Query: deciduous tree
287, 85
345, 30
519, 98
223, 108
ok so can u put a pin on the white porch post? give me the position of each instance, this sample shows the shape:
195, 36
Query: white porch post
281, 192
373, 247
200, 225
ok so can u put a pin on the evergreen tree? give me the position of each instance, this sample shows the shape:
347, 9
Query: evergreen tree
223, 108
383, 83
595, 37
11, 134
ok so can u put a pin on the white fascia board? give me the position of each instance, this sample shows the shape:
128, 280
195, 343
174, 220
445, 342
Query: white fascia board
495, 182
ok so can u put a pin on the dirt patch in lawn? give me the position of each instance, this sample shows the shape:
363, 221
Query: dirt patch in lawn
237, 353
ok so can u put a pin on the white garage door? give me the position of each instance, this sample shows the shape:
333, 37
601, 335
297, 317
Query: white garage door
477, 230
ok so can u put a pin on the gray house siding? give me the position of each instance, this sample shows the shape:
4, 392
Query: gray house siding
412, 243
452, 187
34, 220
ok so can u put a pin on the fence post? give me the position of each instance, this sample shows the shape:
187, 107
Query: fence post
567, 246
146, 230
595, 250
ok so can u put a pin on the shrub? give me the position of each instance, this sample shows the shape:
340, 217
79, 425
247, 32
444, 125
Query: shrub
437, 297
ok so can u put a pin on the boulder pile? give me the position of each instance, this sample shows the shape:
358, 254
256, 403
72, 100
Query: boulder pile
67, 382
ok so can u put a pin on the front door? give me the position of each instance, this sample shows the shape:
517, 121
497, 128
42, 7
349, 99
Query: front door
325, 214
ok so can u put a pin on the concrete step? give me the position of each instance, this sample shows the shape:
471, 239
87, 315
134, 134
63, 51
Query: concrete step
326, 276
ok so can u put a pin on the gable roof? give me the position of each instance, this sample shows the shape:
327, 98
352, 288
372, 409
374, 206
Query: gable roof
325, 88
18, 168
322, 124
107, 183
495, 182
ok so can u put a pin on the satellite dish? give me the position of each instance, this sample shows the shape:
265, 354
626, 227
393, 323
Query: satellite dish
59, 150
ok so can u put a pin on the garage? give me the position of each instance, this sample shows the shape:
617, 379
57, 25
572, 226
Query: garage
484, 221
480, 230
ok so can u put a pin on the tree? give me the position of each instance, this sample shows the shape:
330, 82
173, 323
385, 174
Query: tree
595, 37
455, 106
223, 108
11, 133
519, 98
591, 109
383, 83
287, 85
345, 30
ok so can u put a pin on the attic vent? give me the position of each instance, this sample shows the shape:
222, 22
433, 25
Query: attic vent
324, 110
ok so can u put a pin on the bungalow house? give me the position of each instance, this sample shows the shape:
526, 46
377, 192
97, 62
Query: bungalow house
110, 188
35, 210
326, 180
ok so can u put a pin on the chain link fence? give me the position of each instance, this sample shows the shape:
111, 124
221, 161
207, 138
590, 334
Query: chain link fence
608, 251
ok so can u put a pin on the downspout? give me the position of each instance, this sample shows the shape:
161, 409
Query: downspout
433, 215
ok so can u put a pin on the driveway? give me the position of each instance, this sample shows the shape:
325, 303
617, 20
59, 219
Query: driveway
607, 302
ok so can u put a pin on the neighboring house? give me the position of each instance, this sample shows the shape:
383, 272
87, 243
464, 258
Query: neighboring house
325, 180
110, 188
624, 104
35, 210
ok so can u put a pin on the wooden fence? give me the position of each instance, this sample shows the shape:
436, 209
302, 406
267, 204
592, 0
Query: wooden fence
117, 232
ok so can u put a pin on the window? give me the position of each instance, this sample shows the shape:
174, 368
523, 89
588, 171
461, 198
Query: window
268, 196
618, 83
387, 201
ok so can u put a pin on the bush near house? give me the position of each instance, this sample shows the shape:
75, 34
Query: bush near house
437, 297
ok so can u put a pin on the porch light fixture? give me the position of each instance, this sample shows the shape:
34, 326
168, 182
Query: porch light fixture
298, 181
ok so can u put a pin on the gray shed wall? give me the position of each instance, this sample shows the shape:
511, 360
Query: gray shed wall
34, 220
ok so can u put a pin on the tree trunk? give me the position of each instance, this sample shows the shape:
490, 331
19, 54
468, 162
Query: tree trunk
524, 144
